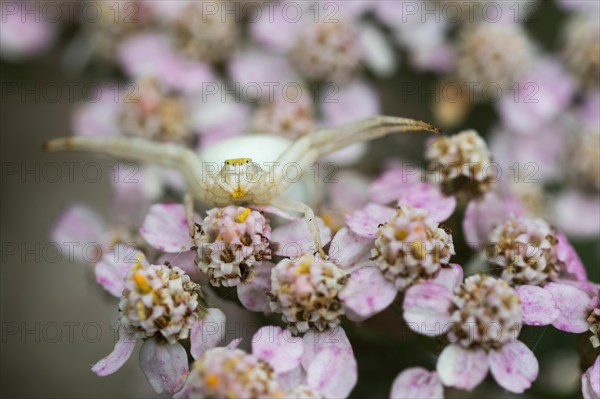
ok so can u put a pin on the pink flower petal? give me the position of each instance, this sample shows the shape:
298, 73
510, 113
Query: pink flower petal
24, 33
514, 366
165, 365
553, 88
417, 383
354, 102
316, 342
427, 307
567, 254
366, 221
113, 267
576, 214
166, 228
234, 343
333, 373
367, 292
462, 368
145, 54
253, 293
294, 238
98, 119
259, 68
277, 32
590, 381
348, 250
572, 303
278, 347
538, 305
378, 54
217, 119
481, 216
133, 196
76, 227
392, 184
450, 276
187, 76
207, 332
123, 350
290, 380
350, 192
429, 197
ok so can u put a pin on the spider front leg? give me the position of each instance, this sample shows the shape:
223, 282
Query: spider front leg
188, 201
309, 216
328, 140
186, 161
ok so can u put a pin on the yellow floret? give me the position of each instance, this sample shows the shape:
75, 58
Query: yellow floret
241, 218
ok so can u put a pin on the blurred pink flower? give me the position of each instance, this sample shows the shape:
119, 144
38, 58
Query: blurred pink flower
417, 383
150, 55
577, 213
590, 381
541, 96
25, 34
426, 38
280, 365
322, 50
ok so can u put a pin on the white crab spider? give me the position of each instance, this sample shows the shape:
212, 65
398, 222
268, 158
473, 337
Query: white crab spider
243, 180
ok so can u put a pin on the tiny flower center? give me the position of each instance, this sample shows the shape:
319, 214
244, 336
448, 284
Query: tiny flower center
212, 380
142, 284
244, 215
231, 373
160, 300
525, 250
486, 313
306, 292
411, 247
231, 241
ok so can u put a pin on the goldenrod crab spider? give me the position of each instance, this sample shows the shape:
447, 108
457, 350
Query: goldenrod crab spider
241, 179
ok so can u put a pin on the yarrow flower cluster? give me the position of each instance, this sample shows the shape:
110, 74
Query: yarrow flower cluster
155, 114
525, 250
222, 372
290, 119
307, 292
328, 52
594, 320
460, 163
482, 319
411, 247
581, 49
160, 300
203, 34
585, 160
473, 323
230, 241
494, 53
